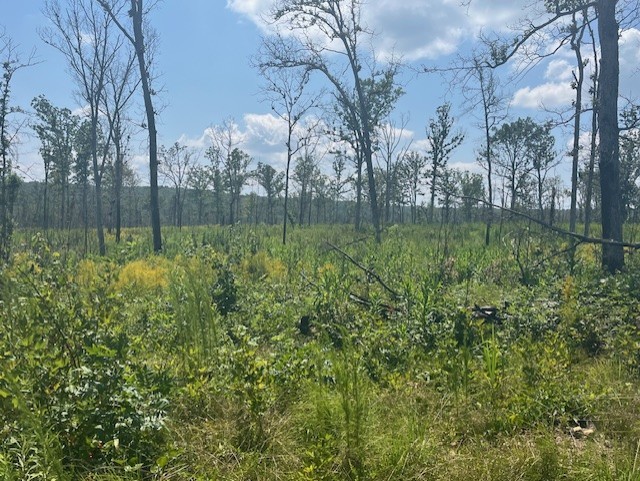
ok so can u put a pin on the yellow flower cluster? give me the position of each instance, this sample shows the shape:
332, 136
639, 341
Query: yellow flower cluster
143, 275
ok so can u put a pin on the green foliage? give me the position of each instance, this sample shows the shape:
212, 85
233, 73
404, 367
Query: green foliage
192, 365
71, 363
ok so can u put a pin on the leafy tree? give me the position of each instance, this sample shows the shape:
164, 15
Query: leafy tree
541, 145
472, 191
339, 183
630, 173
449, 192
236, 175
442, 141
272, 182
82, 172
513, 143
413, 169
56, 129
199, 180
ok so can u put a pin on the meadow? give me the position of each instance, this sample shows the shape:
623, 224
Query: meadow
234, 357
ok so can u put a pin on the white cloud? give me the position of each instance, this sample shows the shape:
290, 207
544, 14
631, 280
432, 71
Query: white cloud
253, 9
415, 29
559, 70
268, 128
629, 62
548, 95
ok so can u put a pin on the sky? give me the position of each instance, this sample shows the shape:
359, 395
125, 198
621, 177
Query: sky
206, 77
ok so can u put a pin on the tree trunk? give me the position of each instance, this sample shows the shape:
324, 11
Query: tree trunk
487, 233
432, 201
579, 80
136, 13
45, 200
97, 179
611, 203
286, 191
118, 189
358, 220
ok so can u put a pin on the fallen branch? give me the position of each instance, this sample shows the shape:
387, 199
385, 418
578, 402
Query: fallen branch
368, 271
557, 230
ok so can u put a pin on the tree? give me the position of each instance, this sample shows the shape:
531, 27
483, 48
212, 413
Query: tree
176, 165
578, 81
390, 137
541, 147
593, 148
630, 173
304, 173
272, 182
83, 34
442, 141
449, 192
413, 169
56, 129
338, 21
140, 42
82, 172
236, 176
471, 191
120, 87
9, 181
610, 192
492, 102
285, 89
513, 143
199, 180
607, 104
225, 138
339, 182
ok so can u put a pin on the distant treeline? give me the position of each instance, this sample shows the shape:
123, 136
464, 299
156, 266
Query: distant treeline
200, 208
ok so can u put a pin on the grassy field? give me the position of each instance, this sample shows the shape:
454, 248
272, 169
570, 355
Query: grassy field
234, 357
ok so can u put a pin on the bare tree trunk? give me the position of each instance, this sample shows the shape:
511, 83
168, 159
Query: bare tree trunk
594, 134
138, 36
286, 193
611, 204
118, 189
358, 219
576, 41
97, 179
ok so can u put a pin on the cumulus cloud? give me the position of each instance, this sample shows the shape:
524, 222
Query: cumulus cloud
559, 70
268, 128
414, 29
548, 95
629, 61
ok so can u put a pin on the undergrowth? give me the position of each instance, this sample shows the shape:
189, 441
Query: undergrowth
231, 356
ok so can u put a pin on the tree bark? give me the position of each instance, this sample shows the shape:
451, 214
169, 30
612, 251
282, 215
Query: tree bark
576, 42
611, 205
138, 36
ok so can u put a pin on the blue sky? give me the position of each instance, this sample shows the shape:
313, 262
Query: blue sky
205, 74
